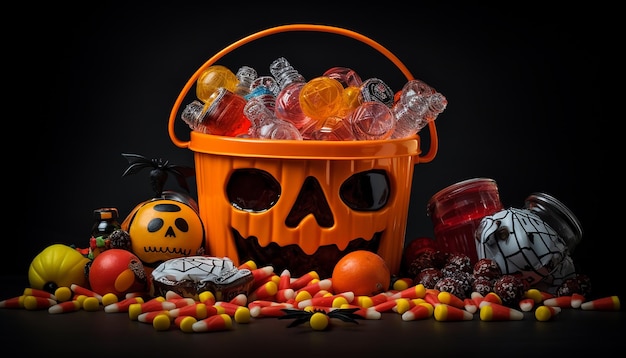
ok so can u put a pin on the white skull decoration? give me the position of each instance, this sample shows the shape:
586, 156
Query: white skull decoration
523, 244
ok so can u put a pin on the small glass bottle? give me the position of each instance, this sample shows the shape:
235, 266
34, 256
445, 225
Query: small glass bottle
211, 79
105, 222
290, 83
284, 73
223, 115
265, 125
417, 106
266, 81
265, 95
245, 75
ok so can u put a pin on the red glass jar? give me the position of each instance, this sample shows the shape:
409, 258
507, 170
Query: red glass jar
456, 212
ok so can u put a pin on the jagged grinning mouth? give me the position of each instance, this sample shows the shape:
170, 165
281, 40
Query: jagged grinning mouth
167, 250
292, 258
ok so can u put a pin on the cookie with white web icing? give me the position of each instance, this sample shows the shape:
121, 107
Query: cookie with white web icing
191, 275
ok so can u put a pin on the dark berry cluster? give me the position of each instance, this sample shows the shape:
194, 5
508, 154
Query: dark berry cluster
454, 273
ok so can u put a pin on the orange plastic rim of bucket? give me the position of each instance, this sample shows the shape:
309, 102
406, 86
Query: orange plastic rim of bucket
308, 149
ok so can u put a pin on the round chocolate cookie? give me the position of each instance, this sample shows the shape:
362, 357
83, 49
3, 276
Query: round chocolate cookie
579, 284
509, 288
487, 268
427, 259
428, 277
451, 285
482, 285
464, 279
461, 261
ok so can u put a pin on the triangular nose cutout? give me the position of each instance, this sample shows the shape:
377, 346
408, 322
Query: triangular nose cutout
170, 232
311, 200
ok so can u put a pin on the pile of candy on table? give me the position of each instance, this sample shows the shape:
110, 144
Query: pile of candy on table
433, 293
125, 269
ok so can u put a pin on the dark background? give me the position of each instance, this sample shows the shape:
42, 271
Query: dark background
521, 83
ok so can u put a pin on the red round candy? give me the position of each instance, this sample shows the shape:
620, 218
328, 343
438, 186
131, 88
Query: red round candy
117, 271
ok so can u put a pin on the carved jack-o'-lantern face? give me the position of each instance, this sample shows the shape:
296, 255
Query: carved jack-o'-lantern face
256, 192
304, 215
162, 229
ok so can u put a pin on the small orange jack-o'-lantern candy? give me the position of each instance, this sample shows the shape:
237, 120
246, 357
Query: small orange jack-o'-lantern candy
165, 228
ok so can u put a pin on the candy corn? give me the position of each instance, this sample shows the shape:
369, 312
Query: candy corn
267, 311
79, 290
242, 315
261, 274
185, 323
497, 312
39, 293
545, 313
610, 303
220, 322
37, 303
450, 299
315, 286
417, 291
561, 301
445, 312
304, 280
328, 301
419, 311
469, 305
577, 300
155, 304
64, 307
198, 311
13, 302
122, 306
527, 304
264, 291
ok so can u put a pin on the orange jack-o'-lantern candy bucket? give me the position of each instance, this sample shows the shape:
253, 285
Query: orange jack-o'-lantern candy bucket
301, 205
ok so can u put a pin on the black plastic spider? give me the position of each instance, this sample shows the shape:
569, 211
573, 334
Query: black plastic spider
302, 316
159, 172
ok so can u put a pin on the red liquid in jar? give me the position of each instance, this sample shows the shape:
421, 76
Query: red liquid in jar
457, 210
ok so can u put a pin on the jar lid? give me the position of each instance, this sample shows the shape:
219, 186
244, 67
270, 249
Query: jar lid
105, 213
455, 189
557, 215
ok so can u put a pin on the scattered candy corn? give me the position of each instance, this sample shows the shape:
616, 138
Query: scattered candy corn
610, 303
545, 313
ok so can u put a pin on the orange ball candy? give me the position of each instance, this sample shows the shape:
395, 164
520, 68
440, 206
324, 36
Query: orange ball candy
362, 272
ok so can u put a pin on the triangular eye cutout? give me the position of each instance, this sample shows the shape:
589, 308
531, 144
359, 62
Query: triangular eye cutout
311, 200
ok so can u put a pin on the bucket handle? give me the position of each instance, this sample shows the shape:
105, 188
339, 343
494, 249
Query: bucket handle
434, 142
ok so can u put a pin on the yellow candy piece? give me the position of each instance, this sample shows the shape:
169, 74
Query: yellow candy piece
319, 321
109, 298
242, 315
161, 322
63, 294
91, 304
